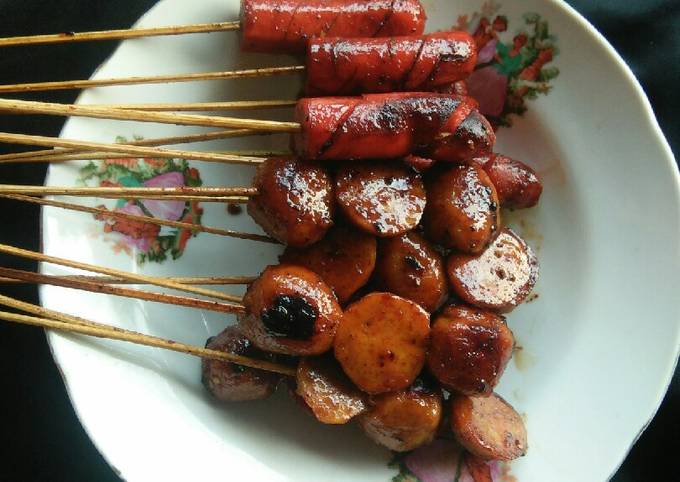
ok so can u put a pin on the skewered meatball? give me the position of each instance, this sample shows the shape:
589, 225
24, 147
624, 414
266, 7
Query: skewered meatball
290, 310
469, 349
294, 204
230, 382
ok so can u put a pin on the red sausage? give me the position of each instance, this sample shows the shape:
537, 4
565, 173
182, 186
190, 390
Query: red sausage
517, 184
385, 126
285, 26
348, 66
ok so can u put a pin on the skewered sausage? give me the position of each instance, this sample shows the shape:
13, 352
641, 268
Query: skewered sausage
230, 382
327, 391
381, 199
498, 279
294, 203
409, 266
404, 420
290, 310
488, 427
462, 209
385, 126
517, 184
285, 26
382, 341
469, 349
350, 66
344, 258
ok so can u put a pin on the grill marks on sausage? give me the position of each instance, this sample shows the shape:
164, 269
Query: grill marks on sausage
384, 20
290, 316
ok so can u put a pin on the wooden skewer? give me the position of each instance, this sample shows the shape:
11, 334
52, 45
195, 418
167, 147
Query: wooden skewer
109, 289
187, 280
153, 152
168, 193
50, 108
105, 213
164, 141
119, 34
87, 327
203, 106
152, 280
151, 79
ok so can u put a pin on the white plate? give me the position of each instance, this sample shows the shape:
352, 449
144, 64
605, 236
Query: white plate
600, 342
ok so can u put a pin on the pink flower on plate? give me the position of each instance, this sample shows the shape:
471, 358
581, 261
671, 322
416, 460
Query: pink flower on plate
142, 242
435, 462
487, 53
170, 210
490, 88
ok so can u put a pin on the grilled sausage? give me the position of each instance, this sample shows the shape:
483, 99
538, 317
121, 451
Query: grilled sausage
350, 66
327, 391
379, 198
382, 341
404, 420
285, 26
386, 126
344, 259
498, 279
469, 349
517, 184
230, 382
479, 469
420, 164
462, 209
410, 267
488, 427
290, 310
294, 203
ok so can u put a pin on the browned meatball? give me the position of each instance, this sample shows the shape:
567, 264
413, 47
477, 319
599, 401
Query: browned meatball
469, 349
383, 199
488, 427
410, 267
290, 310
381, 342
498, 279
344, 259
462, 209
327, 391
516, 183
230, 382
295, 201
404, 420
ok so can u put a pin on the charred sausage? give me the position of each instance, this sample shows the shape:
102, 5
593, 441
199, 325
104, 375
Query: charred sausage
230, 382
469, 349
382, 341
410, 267
379, 198
350, 66
285, 26
517, 184
462, 209
290, 310
488, 427
403, 420
385, 126
498, 279
344, 258
294, 203
327, 391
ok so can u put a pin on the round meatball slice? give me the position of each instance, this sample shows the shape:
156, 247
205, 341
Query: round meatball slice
381, 342
410, 267
404, 420
498, 279
488, 427
344, 259
230, 382
294, 204
383, 199
462, 211
469, 350
327, 391
290, 310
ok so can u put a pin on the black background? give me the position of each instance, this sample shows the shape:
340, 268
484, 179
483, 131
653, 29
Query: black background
41, 439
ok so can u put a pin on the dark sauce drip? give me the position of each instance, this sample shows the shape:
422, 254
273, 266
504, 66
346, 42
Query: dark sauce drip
234, 209
290, 316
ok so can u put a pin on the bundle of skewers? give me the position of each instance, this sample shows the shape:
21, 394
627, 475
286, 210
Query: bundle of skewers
387, 305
